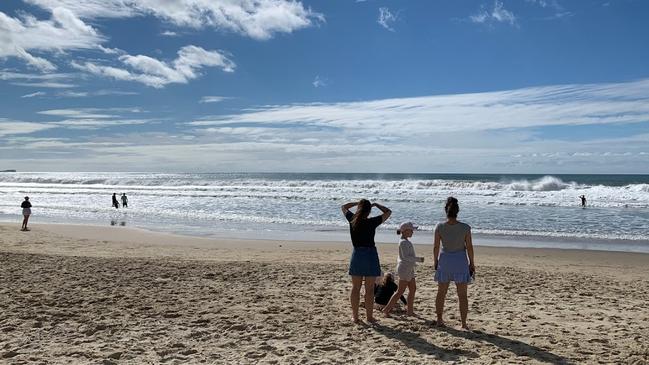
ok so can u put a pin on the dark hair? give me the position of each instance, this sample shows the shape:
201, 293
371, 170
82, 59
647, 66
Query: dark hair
398, 231
387, 277
363, 209
452, 207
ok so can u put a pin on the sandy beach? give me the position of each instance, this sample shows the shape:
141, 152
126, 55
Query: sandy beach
116, 295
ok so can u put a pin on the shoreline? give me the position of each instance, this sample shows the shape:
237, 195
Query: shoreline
116, 241
112, 295
423, 238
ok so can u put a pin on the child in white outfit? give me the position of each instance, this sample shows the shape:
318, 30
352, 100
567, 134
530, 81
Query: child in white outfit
406, 269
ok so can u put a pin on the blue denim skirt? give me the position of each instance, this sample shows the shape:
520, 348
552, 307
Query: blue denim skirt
453, 266
365, 262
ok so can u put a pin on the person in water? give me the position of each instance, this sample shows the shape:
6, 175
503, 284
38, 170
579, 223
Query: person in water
115, 202
583, 200
27, 211
124, 200
384, 290
406, 269
364, 264
454, 262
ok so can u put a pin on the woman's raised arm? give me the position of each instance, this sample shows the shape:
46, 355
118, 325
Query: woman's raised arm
386, 211
345, 207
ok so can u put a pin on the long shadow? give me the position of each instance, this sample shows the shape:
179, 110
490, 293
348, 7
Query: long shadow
414, 341
517, 347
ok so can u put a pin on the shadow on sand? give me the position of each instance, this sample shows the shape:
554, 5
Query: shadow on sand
517, 347
416, 342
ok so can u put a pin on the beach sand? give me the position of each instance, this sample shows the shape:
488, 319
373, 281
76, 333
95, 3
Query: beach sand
116, 295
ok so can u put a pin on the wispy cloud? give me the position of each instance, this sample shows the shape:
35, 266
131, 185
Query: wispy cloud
213, 99
33, 95
386, 18
496, 14
155, 73
45, 84
168, 33
259, 19
85, 94
20, 37
13, 127
319, 82
429, 115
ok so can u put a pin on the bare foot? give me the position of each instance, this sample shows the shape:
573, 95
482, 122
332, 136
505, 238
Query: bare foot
356, 321
440, 323
371, 320
466, 327
411, 314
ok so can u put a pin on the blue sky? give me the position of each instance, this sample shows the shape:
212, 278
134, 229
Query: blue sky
529, 86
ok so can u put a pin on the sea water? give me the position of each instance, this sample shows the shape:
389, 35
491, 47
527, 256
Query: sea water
527, 210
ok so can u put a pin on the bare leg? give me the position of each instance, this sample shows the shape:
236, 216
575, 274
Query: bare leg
354, 296
412, 288
393, 300
462, 289
369, 298
442, 288
25, 219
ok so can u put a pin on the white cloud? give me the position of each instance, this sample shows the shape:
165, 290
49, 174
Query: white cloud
20, 37
497, 14
156, 73
258, 19
84, 113
319, 82
46, 84
426, 117
84, 94
386, 18
13, 127
168, 33
213, 99
35, 94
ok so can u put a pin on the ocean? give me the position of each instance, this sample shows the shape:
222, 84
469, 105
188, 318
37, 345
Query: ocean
513, 210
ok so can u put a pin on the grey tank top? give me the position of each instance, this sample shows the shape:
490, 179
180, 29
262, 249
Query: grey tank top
453, 235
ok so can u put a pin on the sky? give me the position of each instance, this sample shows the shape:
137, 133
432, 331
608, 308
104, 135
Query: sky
482, 86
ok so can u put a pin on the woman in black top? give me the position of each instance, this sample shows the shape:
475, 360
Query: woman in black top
115, 203
27, 211
364, 263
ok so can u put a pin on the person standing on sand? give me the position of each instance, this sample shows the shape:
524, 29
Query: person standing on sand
115, 202
27, 211
406, 269
455, 262
124, 200
364, 264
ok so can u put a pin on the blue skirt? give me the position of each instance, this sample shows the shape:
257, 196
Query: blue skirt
453, 266
365, 262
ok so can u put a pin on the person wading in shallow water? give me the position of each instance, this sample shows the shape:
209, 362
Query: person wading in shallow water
115, 202
364, 264
583, 200
124, 200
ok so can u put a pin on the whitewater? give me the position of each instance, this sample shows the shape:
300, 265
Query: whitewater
525, 207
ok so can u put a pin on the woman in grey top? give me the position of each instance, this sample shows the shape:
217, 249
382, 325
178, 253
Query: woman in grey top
454, 262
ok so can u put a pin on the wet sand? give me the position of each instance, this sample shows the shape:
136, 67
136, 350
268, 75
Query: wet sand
115, 295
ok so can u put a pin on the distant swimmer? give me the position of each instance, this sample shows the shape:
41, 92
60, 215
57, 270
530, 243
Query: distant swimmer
27, 211
115, 202
583, 200
124, 200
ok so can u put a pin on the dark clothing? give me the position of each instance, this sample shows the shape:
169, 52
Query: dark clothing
26, 204
363, 234
383, 293
115, 203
